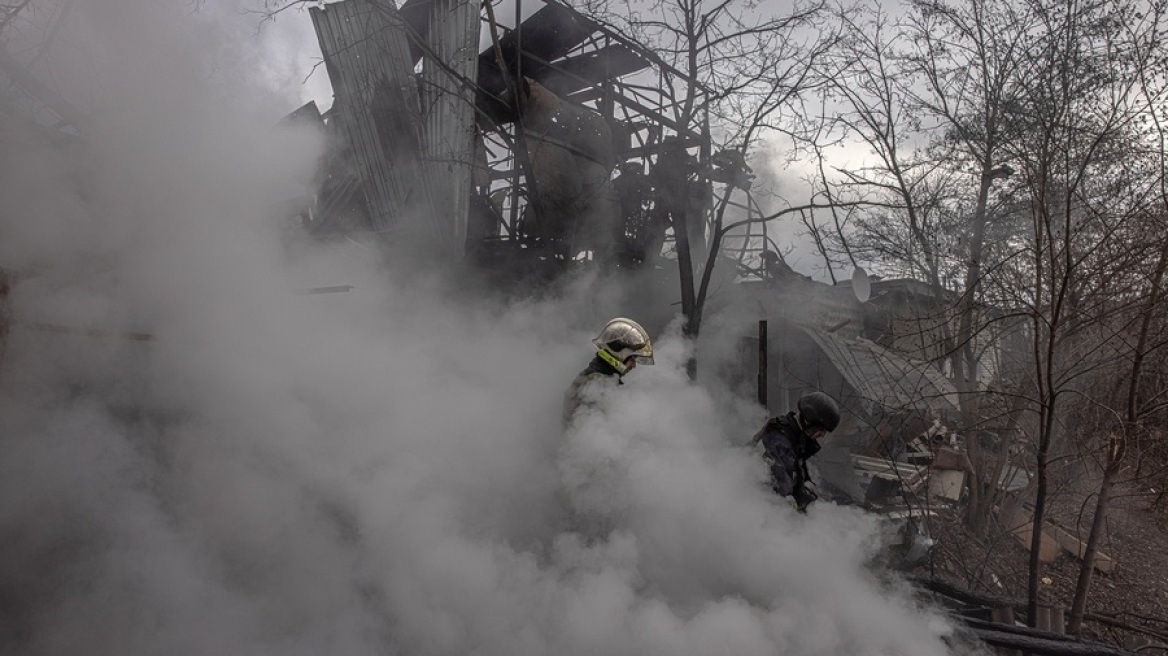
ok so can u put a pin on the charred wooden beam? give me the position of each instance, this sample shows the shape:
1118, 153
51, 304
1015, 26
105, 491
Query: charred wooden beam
1042, 643
968, 597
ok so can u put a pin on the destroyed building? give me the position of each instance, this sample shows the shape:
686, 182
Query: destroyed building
553, 142
818, 336
546, 145
550, 142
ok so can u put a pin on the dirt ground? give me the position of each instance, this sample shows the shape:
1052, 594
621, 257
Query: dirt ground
1135, 593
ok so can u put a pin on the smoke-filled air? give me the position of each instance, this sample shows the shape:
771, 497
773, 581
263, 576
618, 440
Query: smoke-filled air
209, 460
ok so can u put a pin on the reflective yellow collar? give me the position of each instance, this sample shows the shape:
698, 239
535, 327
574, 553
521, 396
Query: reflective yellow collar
620, 367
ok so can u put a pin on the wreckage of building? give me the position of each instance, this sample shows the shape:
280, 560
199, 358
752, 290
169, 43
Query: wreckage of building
898, 451
552, 141
547, 142
899, 411
531, 145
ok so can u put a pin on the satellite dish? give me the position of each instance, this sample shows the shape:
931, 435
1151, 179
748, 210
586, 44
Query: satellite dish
861, 285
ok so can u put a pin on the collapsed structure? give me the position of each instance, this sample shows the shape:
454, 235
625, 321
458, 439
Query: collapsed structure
555, 142
558, 141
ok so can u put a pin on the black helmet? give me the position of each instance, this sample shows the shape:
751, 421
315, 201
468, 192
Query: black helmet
818, 410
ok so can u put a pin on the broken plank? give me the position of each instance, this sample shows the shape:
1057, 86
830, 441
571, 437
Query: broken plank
911, 475
1077, 547
1048, 548
1014, 515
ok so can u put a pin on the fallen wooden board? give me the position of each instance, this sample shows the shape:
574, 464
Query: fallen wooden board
1018, 520
1066, 540
866, 477
1048, 547
946, 484
910, 474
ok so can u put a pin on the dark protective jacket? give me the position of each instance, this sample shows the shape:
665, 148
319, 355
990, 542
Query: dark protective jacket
786, 449
574, 397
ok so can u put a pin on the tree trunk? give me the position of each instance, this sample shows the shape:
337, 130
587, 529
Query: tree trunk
1047, 424
1083, 586
689, 307
1117, 448
981, 497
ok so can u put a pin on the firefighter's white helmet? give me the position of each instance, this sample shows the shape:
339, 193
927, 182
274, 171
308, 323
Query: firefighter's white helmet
624, 338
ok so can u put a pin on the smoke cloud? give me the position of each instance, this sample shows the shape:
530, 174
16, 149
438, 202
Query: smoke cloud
378, 471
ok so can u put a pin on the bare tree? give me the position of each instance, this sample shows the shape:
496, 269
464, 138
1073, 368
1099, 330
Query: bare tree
932, 114
744, 70
966, 55
866, 79
1142, 57
1079, 115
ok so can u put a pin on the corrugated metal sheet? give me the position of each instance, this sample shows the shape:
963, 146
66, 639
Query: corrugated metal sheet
885, 379
448, 107
368, 60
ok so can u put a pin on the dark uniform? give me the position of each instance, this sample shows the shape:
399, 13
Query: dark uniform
597, 372
786, 448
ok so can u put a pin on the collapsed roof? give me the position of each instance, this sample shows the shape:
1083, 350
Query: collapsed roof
883, 379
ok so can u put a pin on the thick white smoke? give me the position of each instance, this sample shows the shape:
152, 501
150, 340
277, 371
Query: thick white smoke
378, 471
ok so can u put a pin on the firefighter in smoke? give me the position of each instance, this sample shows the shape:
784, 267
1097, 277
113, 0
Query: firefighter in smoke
788, 442
620, 346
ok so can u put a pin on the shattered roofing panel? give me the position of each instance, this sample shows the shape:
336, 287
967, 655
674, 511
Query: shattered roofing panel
368, 61
549, 34
884, 378
546, 39
562, 78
